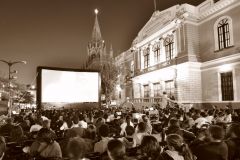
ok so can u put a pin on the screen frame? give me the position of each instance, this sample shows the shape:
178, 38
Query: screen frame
39, 81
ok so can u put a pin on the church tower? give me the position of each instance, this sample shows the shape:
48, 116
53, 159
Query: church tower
96, 47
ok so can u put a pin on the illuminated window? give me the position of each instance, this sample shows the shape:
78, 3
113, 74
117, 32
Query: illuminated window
169, 87
227, 86
169, 47
223, 33
146, 91
146, 54
156, 50
157, 89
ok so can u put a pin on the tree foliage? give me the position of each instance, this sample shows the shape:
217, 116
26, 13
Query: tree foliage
109, 73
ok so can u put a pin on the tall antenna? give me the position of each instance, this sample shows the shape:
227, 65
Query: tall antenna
155, 5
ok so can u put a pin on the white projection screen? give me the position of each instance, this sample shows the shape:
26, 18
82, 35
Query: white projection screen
69, 88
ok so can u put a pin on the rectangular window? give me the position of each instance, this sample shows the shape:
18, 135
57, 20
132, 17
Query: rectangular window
169, 48
146, 91
227, 86
156, 50
157, 89
146, 58
169, 87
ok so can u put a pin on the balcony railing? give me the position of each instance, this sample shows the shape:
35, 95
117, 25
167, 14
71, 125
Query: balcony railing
147, 99
158, 100
156, 67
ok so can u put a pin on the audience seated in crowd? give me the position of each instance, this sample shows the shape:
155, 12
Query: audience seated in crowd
115, 133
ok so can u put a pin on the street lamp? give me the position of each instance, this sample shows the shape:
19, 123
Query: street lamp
10, 64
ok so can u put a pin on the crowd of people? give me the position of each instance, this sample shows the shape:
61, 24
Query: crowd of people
122, 134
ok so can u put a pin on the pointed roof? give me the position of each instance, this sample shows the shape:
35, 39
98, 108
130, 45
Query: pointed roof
96, 33
111, 51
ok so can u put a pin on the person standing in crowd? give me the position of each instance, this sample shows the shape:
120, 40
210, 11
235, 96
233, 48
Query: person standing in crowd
164, 100
123, 126
82, 122
128, 140
210, 116
140, 133
148, 124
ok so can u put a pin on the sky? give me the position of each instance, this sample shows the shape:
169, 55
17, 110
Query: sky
55, 33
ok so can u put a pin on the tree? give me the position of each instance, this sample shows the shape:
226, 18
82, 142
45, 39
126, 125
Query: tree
109, 73
27, 98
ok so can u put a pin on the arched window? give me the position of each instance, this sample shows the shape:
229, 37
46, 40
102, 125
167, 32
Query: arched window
169, 47
223, 33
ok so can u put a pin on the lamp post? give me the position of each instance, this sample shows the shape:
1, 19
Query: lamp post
10, 64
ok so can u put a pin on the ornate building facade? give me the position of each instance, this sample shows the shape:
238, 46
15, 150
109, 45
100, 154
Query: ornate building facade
191, 53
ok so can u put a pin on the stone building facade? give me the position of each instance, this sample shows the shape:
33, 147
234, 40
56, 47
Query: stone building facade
191, 53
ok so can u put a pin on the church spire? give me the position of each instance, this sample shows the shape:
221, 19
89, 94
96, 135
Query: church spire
96, 34
111, 51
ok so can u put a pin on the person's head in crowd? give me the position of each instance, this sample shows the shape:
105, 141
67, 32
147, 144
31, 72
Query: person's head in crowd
76, 148
2, 147
203, 114
91, 132
142, 127
211, 112
216, 133
75, 120
144, 118
203, 133
60, 118
81, 117
105, 116
173, 122
9, 120
116, 150
45, 136
129, 130
103, 130
150, 147
228, 111
233, 131
100, 121
175, 143
46, 124
128, 120
16, 134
